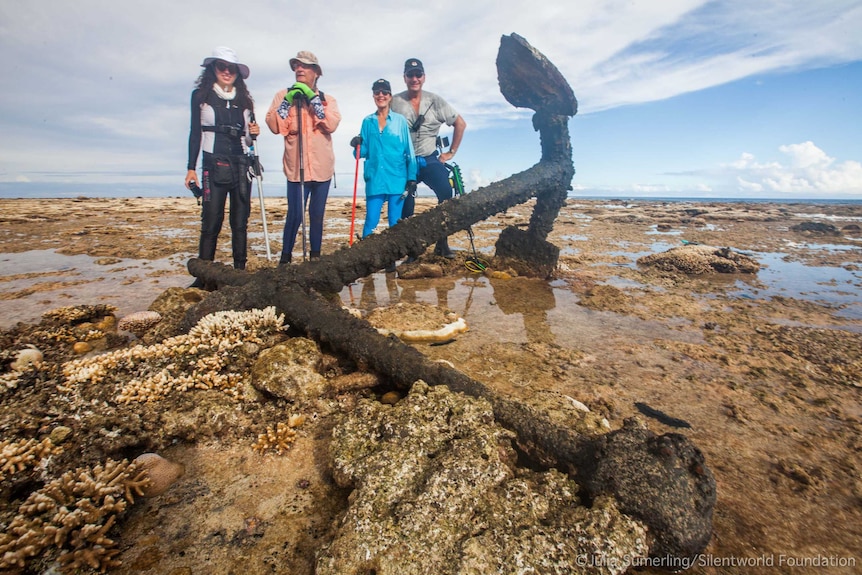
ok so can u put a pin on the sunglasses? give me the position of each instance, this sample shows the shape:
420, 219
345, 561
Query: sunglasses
414, 74
382, 92
225, 67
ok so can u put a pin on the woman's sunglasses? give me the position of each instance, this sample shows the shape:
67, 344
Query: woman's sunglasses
225, 67
382, 92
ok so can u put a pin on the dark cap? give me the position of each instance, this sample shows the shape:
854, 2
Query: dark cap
413, 64
381, 84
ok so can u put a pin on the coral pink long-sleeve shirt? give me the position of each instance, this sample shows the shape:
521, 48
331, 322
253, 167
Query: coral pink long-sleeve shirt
319, 159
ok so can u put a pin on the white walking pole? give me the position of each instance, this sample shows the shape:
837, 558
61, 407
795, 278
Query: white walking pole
258, 174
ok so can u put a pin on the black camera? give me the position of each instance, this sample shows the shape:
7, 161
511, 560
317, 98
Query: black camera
196, 189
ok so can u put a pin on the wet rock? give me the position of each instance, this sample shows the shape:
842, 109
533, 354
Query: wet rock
437, 490
816, 229
161, 472
289, 370
82, 347
172, 305
390, 398
60, 434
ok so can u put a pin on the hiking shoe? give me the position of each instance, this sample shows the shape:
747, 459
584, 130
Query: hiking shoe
390, 268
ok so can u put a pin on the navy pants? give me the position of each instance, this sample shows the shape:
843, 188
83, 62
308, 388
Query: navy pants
434, 175
315, 195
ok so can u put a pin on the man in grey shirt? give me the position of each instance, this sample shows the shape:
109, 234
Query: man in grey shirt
426, 113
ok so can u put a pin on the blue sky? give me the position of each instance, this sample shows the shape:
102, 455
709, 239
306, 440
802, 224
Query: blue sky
737, 98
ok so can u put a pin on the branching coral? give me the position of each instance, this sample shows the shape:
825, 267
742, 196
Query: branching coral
79, 313
78, 323
205, 358
280, 437
16, 456
73, 513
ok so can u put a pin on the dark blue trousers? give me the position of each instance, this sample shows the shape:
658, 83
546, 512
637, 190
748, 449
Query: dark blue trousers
315, 194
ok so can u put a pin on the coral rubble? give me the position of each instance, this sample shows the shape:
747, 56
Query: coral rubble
416, 322
437, 490
700, 259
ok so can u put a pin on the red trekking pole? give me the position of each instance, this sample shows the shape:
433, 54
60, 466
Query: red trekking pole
355, 181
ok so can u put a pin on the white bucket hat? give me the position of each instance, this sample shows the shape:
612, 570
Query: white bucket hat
229, 56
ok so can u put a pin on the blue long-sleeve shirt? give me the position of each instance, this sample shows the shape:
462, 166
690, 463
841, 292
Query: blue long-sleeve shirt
388, 153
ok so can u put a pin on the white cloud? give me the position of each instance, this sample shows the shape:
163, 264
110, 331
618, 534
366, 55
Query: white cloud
809, 170
105, 86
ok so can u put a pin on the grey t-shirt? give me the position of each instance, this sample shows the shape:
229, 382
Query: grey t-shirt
436, 112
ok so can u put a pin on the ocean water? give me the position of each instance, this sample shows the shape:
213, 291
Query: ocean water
343, 187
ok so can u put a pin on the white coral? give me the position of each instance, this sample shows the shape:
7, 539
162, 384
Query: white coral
204, 358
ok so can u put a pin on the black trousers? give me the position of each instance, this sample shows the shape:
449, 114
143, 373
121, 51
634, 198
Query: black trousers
215, 195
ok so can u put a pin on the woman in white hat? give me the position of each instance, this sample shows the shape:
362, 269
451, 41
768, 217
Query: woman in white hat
222, 130
319, 118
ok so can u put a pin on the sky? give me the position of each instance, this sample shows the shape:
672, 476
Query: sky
685, 98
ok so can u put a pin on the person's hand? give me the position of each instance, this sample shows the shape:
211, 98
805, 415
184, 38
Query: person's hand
253, 129
191, 176
446, 156
299, 89
409, 189
355, 141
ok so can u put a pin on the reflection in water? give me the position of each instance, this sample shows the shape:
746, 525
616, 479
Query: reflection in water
517, 310
532, 299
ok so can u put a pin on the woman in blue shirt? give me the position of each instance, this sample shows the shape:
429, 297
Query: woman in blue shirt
390, 165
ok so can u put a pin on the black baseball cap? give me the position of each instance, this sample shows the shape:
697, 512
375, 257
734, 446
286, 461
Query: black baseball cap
413, 64
381, 84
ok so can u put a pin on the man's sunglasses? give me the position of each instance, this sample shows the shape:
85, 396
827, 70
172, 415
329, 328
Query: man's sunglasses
414, 74
225, 67
383, 92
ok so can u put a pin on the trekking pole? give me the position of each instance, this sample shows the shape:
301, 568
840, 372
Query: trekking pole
301, 173
258, 173
355, 181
